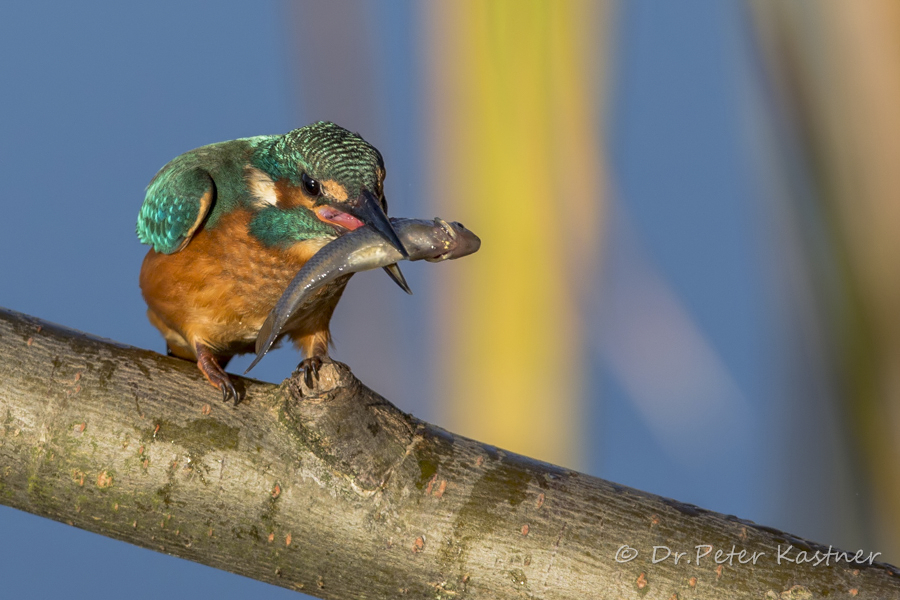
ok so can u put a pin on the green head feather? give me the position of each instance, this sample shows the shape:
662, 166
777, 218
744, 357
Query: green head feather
323, 151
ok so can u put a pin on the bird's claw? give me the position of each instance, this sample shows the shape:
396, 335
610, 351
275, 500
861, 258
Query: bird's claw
215, 374
310, 367
224, 384
229, 391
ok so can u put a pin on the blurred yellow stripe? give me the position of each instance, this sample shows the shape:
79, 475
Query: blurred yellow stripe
516, 157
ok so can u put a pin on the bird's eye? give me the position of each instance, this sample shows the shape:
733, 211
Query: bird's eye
310, 185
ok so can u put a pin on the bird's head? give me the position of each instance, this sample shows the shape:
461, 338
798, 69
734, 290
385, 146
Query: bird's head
332, 172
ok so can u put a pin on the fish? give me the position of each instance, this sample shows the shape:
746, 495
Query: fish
364, 249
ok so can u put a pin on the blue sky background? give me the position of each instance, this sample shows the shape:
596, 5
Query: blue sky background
97, 96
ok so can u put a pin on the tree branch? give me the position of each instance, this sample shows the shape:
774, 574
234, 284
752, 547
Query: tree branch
336, 492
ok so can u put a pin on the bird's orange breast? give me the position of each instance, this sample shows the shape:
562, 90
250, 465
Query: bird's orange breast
219, 289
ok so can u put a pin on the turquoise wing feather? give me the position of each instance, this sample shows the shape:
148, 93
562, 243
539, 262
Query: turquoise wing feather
177, 201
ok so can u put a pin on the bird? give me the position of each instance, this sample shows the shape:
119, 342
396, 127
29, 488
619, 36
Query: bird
230, 224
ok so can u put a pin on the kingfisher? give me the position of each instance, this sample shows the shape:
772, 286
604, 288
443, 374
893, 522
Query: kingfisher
230, 224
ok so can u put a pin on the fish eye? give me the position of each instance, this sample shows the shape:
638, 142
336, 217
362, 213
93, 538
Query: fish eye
310, 185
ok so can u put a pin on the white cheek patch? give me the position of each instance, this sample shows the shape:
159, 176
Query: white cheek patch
261, 186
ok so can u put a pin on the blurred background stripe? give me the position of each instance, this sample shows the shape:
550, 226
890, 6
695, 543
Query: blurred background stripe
515, 111
836, 68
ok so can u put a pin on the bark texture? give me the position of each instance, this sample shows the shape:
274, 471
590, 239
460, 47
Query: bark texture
335, 492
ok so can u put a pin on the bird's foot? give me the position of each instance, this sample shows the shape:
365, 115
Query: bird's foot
215, 374
310, 367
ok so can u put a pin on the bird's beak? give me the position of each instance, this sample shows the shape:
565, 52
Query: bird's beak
367, 209
397, 275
